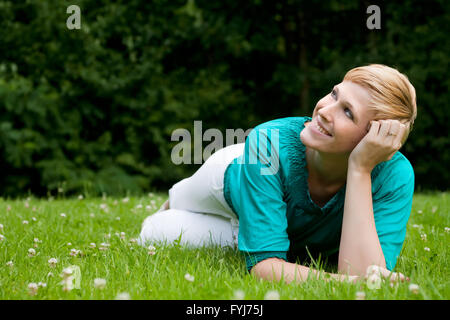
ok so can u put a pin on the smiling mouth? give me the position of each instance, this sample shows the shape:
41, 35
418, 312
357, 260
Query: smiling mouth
322, 129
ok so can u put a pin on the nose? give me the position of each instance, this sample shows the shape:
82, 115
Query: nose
325, 113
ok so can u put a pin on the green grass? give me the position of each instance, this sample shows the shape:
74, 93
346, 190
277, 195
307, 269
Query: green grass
218, 273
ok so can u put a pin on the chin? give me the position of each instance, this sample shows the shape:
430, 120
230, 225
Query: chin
309, 141
330, 148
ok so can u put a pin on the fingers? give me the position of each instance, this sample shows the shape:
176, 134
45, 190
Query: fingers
402, 131
385, 126
392, 130
374, 128
374, 271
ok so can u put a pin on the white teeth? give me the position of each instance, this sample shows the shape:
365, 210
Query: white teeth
322, 130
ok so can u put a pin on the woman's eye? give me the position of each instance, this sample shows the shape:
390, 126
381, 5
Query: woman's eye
333, 93
348, 113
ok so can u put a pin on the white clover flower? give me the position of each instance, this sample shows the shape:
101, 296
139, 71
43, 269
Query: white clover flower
67, 272
99, 283
360, 295
123, 296
117, 218
151, 194
148, 208
125, 200
92, 245
67, 283
414, 288
42, 285
447, 229
69, 244
1, 227
36, 240
10, 264
33, 288
74, 252
69, 275
107, 235
122, 235
31, 252
423, 236
426, 249
34, 219
152, 251
189, 277
373, 281
272, 295
52, 262
25, 222
80, 197
139, 206
104, 246
63, 215
419, 211
2, 237
373, 269
133, 240
238, 294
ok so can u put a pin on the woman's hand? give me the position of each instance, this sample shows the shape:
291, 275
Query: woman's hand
375, 274
375, 271
380, 144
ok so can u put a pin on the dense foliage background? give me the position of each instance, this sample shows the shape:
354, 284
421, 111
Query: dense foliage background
93, 110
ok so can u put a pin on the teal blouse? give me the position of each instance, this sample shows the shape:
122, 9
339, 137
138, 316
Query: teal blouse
268, 191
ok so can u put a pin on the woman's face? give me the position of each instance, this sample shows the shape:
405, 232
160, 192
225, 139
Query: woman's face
340, 120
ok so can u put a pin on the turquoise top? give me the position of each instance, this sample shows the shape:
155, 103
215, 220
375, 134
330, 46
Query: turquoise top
269, 193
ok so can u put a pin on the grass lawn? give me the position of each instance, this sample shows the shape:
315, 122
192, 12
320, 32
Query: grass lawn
98, 235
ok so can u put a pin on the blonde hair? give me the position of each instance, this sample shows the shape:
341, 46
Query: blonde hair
393, 95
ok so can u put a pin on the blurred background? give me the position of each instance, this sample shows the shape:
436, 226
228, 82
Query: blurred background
92, 110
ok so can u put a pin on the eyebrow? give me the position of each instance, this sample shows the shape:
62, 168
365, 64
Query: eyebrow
349, 105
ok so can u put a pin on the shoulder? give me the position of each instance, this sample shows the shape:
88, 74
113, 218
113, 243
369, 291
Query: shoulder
287, 123
394, 174
285, 130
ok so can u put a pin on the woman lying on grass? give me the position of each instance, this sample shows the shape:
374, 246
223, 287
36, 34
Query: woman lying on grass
331, 184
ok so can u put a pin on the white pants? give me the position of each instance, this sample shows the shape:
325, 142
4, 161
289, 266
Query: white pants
199, 214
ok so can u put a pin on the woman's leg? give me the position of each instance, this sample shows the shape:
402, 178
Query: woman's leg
192, 229
203, 191
198, 210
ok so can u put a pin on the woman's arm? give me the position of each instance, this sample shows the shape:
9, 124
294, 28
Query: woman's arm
274, 269
360, 246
